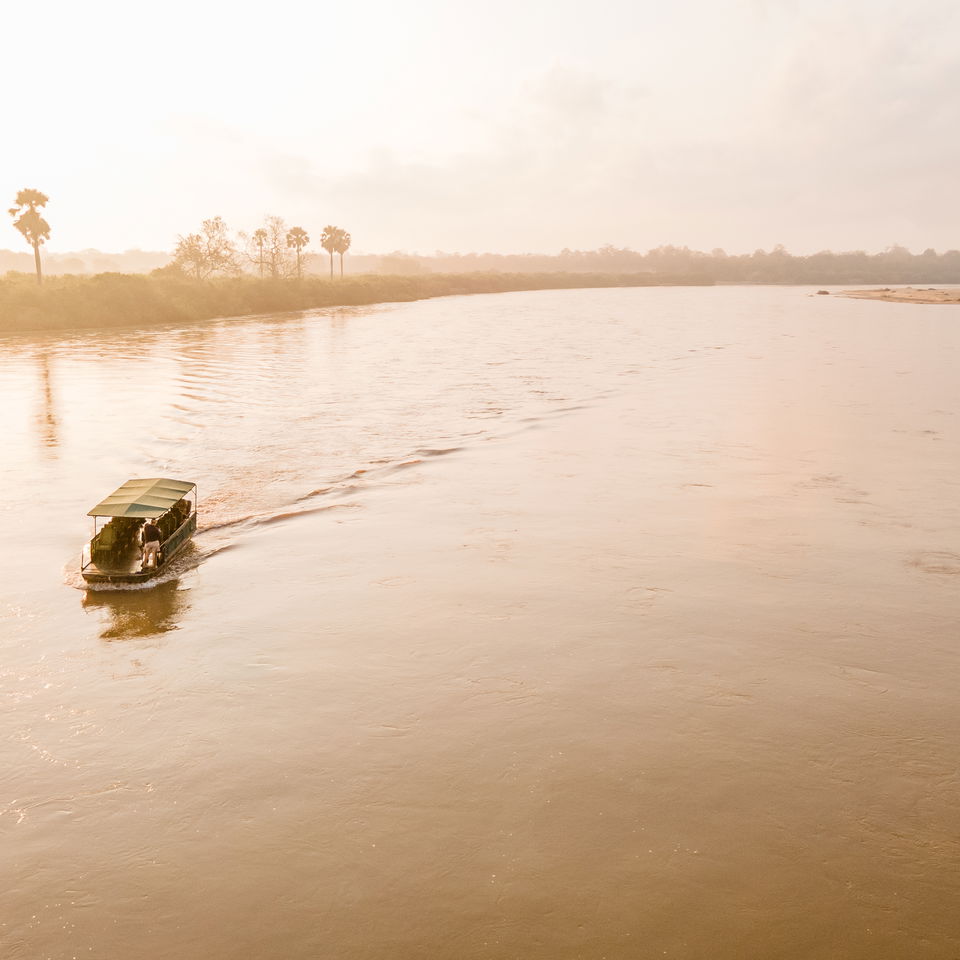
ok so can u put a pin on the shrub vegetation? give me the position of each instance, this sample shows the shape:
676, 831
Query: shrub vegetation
168, 296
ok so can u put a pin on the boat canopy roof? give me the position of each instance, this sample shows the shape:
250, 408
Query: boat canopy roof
145, 499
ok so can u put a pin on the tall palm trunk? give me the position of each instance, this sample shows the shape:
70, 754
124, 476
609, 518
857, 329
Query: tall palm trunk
341, 266
299, 277
36, 260
331, 264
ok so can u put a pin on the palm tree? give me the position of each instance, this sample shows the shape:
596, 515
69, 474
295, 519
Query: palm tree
260, 239
29, 222
329, 242
297, 238
343, 245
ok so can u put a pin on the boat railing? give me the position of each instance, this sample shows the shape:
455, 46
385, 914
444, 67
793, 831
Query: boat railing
179, 535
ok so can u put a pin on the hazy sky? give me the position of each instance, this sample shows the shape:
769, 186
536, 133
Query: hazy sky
502, 126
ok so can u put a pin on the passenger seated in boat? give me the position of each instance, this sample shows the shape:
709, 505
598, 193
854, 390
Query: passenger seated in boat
181, 511
166, 525
151, 545
105, 543
126, 531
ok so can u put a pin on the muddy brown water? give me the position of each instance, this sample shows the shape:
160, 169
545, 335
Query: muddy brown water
612, 623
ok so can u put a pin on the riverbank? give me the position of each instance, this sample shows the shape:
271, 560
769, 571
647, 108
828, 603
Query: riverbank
109, 300
906, 295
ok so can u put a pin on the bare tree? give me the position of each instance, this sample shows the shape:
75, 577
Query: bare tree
28, 221
208, 252
267, 247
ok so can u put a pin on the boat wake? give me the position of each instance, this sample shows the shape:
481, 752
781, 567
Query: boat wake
222, 519
218, 534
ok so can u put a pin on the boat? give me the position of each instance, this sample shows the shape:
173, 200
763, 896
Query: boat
115, 552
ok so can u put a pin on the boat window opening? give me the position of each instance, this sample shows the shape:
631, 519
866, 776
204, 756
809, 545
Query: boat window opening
114, 541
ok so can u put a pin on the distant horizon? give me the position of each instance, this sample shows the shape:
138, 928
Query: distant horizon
895, 264
435, 254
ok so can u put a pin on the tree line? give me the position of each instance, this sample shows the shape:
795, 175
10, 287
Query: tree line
895, 264
272, 250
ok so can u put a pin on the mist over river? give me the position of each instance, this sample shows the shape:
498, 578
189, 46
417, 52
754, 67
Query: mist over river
610, 623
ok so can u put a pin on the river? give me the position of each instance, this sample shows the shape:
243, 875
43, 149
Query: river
599, 623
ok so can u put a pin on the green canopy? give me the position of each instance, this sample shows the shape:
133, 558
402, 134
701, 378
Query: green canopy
142, 498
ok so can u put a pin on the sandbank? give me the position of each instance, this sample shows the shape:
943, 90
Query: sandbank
906, 294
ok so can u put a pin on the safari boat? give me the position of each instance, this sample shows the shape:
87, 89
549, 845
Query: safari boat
115, 553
